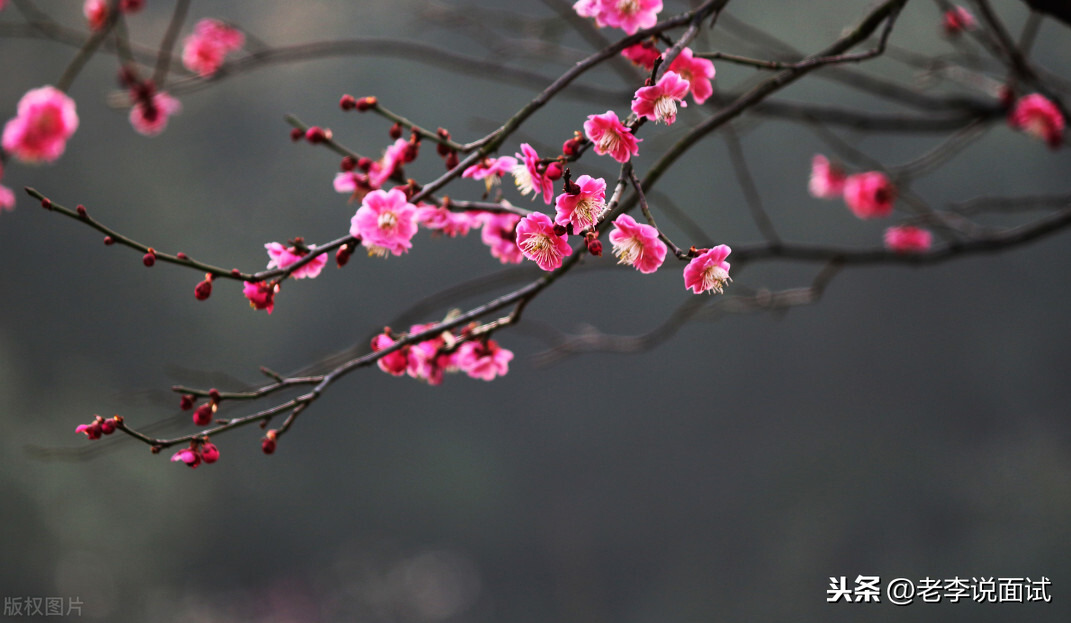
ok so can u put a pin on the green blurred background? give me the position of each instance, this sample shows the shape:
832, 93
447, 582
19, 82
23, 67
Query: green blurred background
912, 423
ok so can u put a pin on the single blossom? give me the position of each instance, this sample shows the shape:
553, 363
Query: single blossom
827, 180
1039, 117
637, 244
538, 242
149, 116
907, 239
584, 208
528, 177
956, 20
385, 222
697, 71
44, 121
628, 15
261, 295
282, 257
869, 195
490, 170
391, 161
483, 360
188, 456
709, 272
610, 136
659, 102
500, 233
205, 50
643, 54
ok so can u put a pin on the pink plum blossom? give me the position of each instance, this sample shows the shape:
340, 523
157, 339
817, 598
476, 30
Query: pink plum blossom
528, 177
490, 170
628, 15
92, 431
46, 118
610, 136
385, 222
282, 257
1039, 117
907, 239
261, 295
211, 41
827, 180
483, 360
643, 54
584, 208
697, 71
149, 115
395, 362
500, 233
659, 102
537, 240
709, 272
869, 195
384, 168
637, 244
956, 20
447, 221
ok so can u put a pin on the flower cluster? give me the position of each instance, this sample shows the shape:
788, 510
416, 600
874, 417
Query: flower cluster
430, 359
867, 195
200, 451
283, 257
212, 40
99, 426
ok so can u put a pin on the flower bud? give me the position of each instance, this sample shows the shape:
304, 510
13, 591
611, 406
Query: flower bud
203, 415
149, 259
203, 290
186, 402
396, 131
209, 452
347, 102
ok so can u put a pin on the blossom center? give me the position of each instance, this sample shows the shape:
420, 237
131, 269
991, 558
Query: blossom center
539, 247
628, 251
714, 278
628, 7
588, 210
387, 220
665, 108
523, 179
608, 142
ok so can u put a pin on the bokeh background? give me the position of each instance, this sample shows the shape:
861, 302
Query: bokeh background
913, 423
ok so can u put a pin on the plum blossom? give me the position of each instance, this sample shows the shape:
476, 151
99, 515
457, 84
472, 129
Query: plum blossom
956, 20
393, 157
827, 180
643, 54
584, 208
149, 114
282, 257
490, 170
869, 195
482, 360
907, 239
697, 71
189, 456
610, 136
538, 241
1039, 117
709, 272
659, 102
628, 15
261, 295
637, 244
45, 119
211, 41
500, 233
528, 177
385, 222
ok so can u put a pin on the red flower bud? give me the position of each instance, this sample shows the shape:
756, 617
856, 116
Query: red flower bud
267, 445
108, 240
315, 135
186, 402
203, 290
554, 171
203, 415
396, 131
348, 102
367, 103
107, 427
149, 258
81, 210
348, 163
296, 134
209, 452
